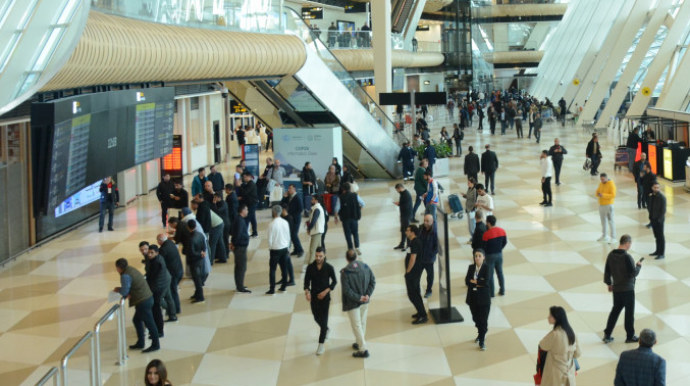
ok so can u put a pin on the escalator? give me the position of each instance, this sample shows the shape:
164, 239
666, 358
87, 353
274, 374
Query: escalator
322, 93
401, 14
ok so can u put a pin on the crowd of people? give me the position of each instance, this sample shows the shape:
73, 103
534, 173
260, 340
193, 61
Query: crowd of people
220, 220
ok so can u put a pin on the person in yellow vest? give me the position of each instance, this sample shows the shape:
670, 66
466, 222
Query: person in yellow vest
606, 193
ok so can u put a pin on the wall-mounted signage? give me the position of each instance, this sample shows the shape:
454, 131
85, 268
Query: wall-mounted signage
312, 12
356, 8
172, 163
423, 27
237, 108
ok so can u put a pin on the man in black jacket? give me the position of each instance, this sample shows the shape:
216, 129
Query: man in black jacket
472, 166
405, 204
619, 275
631, 147
413, 273
479, 229
249, 198
168, 250
110, 199
233, 203
179, 198
638, 172
295, 208
557, 152
489, 166
238, 245
158, 278
319, 281
593, 152
164, 193
220, 208
195, 258
349, 213
216, 180
202, 209
657, 216
648, 180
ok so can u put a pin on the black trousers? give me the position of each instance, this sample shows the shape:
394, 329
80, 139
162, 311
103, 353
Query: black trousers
404, 223
622, 299
279, 258
546, 189
518, 128
351, 229
658, 229
429, 268
480, 317
174, 282
557, 168
319, 308
412, 280
164, 213
157, 311
641, 201
492, 126
197, 277
294, 235
251, 217
481, 126
489, 177
240, 266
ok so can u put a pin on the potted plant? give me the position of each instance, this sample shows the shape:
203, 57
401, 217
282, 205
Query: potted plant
443, 150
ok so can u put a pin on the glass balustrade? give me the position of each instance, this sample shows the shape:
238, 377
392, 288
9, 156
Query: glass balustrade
295, 25
231, 15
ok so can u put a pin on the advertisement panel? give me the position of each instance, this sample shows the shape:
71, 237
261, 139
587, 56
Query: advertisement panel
295, 147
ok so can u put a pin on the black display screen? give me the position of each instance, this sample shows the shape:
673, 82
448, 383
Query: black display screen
85, 138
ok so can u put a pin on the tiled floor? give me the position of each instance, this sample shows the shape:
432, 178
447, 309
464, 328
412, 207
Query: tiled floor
51, 296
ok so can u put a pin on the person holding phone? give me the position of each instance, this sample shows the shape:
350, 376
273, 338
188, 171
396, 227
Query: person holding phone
619, 275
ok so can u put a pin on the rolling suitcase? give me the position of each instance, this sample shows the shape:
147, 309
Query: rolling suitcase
455, 205
327, 203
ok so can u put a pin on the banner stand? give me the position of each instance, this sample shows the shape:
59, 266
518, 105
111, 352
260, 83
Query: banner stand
446, 313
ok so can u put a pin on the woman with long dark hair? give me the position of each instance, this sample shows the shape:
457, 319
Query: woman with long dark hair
478, 295
561, 348
156, 374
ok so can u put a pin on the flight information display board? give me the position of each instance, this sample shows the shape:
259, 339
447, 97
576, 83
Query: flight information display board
85, 138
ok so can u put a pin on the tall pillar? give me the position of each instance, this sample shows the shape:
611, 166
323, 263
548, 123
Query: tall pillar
381, 31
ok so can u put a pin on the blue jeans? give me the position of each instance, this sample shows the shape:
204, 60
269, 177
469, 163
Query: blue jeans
495, 263
351, 229
431, 209
417, 202
143, 316
595, 165
110, 207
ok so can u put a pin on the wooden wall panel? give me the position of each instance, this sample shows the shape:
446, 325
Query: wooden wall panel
116, 50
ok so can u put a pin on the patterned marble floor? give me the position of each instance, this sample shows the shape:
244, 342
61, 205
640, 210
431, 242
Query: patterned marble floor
52, 295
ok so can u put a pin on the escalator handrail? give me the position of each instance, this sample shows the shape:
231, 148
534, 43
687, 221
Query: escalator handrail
344, 70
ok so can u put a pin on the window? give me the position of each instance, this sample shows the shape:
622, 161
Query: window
194, 103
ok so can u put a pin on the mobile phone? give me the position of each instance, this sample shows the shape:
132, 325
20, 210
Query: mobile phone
641, 259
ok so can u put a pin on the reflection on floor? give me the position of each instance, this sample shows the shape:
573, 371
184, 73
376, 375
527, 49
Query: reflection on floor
52, 295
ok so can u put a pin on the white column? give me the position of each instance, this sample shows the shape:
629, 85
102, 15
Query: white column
381, 31
601, 89
612, 51
626, 79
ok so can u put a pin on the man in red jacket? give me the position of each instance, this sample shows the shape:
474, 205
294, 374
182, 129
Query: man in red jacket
495, 240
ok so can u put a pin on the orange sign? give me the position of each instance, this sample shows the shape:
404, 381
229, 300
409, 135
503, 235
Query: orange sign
651, 152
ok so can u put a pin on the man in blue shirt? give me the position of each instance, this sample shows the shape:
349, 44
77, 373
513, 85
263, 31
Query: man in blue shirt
198, 182
641, 367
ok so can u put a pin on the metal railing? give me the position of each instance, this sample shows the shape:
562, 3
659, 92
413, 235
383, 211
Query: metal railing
116, 311
53, 374
59, 375
88, 337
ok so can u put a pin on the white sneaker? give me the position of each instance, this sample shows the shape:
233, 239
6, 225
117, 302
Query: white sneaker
320, 350
604, 239
612, 241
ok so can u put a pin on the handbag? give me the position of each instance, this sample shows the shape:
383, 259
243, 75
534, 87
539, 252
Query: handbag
541, 359
588, 164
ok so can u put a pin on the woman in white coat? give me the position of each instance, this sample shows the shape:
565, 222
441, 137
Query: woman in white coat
562, 348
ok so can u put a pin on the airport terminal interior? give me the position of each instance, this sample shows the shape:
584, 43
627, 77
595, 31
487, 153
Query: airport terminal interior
139, 89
